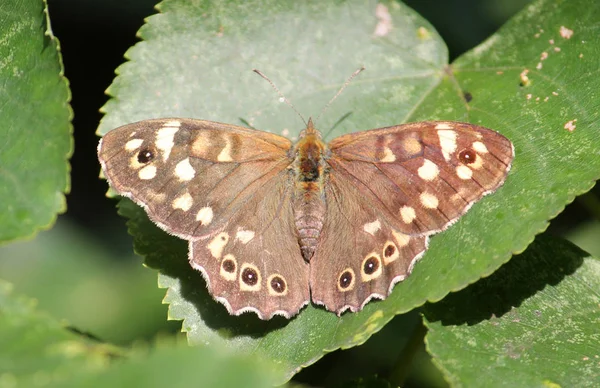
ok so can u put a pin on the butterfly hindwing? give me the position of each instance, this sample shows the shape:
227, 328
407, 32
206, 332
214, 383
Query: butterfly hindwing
422, 176
253, 263
191, 176
360, 256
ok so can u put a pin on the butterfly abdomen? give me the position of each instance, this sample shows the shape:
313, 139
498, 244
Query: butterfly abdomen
309, 201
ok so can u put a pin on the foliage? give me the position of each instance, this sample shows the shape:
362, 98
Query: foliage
485, 320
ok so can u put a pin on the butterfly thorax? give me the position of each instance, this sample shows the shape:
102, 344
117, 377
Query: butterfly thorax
309, 201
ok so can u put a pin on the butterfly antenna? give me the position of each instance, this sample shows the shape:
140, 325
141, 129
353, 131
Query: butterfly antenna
357, 72
282, 97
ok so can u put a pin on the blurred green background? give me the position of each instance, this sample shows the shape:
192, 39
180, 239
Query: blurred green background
83, 270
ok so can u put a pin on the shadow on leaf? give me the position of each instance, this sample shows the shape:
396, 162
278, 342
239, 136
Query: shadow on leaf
546, 262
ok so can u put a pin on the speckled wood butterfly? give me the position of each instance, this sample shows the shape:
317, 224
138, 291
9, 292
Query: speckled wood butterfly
272, 225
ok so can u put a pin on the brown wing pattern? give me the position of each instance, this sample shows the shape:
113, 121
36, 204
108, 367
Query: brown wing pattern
360, 256
421, 177
191, 176
254, 262
226, 189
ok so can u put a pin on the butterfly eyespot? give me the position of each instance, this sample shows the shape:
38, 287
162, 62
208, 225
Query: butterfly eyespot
217, 244
346, 280
145, 156
249, 276
371, 265
228, 265
467, 156
389, 251
277, 285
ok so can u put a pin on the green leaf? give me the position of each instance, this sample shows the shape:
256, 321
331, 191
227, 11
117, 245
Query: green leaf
552, 164
534, 322
185, 91
182, 366
89, 286
36, 350
36, 131
195, 61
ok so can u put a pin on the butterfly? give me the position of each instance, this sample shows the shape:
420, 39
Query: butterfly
273, 225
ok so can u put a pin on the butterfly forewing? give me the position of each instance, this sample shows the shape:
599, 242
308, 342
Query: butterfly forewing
190, 175
421, 177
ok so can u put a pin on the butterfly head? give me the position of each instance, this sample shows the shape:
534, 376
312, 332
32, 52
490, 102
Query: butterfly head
310, 130
310, 143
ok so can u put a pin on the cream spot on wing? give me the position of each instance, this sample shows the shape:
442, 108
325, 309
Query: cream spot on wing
412, 146
388, 156
447, 142
202, 144
165, 140
134, 163
184, 170
205, 215
244, 236
173, 123
444, 126
429, 170
216, 245
183, 202
157, 197
407, 214
250, 279
401, 238
464, 172
477, 164
390, 251
228, 268
225, 154
147, 172
480, 147
372, 227
133, 144
371, 267
429, 200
